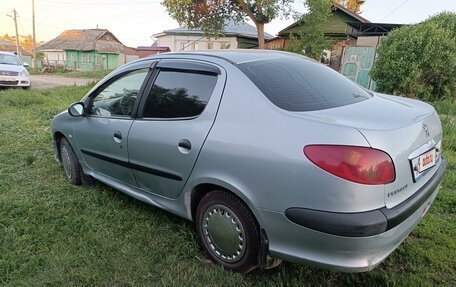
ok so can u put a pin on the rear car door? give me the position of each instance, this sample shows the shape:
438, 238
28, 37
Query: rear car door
102, 135
174, 119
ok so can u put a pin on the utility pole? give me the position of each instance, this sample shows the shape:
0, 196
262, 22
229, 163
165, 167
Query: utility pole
34, 37
18, 51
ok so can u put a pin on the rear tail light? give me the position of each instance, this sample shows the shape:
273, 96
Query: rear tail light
358, 164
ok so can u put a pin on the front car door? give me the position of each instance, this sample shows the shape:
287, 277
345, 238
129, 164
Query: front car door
102, 135
173, 121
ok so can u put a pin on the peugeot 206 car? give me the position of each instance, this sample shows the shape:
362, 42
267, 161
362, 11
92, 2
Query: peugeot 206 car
12, 72
272, 155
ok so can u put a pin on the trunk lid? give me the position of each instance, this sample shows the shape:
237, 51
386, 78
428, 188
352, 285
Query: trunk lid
402, 127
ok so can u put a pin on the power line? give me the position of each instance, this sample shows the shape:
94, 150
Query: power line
370, 7
394, 10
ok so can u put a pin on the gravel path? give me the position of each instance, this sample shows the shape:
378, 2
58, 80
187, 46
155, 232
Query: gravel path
52, 81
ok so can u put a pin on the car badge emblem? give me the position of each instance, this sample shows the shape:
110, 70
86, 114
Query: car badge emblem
426, 130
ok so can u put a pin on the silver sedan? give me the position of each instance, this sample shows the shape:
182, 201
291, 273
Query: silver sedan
272, 155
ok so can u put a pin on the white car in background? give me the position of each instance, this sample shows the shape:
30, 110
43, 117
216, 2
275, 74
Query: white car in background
12, 72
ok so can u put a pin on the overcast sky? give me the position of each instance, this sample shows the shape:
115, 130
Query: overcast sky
134, 21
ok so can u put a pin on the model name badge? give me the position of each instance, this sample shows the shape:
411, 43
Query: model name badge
394, 192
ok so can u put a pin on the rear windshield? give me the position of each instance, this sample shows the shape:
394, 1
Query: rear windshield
298, 84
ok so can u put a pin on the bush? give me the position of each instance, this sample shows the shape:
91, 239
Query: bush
419, 60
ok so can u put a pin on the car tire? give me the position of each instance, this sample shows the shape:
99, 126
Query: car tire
228, 231
70, 162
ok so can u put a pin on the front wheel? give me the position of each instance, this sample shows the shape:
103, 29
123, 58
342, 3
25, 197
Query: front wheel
228, 232
70, 162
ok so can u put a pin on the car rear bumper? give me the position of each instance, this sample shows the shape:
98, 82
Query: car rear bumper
353, 242
14, 81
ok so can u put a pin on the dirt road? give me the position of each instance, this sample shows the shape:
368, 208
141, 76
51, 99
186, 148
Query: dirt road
52, 81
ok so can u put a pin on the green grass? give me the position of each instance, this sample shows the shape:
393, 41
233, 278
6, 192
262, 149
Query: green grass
53, 233
96, 74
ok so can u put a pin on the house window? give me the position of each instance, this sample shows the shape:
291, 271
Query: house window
182, 46
83, 58
89, 58
210, 45
72, 57
196, 46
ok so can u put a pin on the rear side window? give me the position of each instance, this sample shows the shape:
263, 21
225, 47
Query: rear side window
179, 94
297, 84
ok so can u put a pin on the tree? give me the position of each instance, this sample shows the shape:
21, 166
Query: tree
311, 40
26, 42
210, 15
352, 5
419, 60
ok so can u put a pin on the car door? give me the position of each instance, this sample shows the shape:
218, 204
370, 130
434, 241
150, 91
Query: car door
102, 135
173, 121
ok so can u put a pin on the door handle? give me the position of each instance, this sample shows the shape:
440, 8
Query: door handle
118, 137
185, 144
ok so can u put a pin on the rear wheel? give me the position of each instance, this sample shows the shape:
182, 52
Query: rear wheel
70, 162
227, 231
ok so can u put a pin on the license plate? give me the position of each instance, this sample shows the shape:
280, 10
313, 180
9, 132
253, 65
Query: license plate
423, 162
7, 79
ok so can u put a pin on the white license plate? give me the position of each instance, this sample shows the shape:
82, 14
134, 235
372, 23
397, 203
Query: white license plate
7, 79
423, 162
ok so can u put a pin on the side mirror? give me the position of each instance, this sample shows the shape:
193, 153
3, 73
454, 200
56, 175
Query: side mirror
26, 65
77, 110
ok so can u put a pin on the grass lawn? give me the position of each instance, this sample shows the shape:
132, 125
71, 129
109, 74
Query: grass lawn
53, 233
96, 74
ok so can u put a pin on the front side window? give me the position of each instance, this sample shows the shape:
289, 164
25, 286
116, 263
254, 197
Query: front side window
118, 98
179, 94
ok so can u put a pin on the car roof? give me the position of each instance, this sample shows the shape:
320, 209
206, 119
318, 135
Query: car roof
239, 56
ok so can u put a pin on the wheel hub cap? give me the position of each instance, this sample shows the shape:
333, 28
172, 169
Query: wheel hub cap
224, 233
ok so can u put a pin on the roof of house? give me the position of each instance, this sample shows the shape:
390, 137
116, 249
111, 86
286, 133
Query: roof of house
356, 17
372, 29
7, 46
154, 47
232, 29
100, 40
351, 13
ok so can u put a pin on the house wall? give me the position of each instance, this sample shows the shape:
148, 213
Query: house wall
91, 60
86, 60
125, 58
371, 41
112, 61
195, 42
72, 57
336, 25
58, 55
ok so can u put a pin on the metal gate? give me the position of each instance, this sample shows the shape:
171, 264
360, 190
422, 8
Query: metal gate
356, 64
